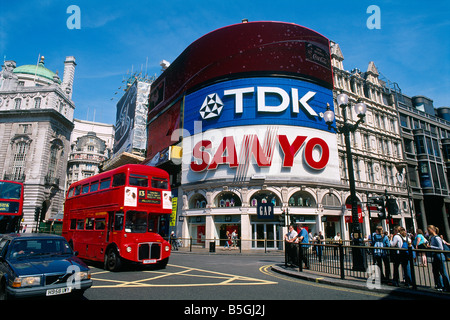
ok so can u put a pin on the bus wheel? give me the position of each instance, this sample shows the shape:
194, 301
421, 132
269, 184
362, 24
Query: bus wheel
113, 262
163, 263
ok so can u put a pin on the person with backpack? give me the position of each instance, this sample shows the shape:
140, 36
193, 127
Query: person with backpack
380, 256
400, 257
441, 278
421, 243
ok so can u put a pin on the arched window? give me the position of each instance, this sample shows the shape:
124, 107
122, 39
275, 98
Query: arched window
264, 196
197, 201
228, 199
330, 200
301, 199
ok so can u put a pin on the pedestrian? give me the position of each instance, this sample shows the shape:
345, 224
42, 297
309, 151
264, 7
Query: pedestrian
291, 246
319, 241
441, 279
446, 248
336, 240
227, 241
380, 256
173, 241
234, 237
404, 257
421, 244
303, 239
400, 258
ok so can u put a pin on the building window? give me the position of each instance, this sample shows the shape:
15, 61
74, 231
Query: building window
330, 200
228, 199
20, 153
265, 197
37, 102
54, 159
24, 128
197, 201
404, 121
301, 199
17, 103
420, 144
369, 171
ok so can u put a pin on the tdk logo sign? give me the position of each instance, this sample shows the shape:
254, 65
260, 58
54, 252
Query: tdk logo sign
212, 105
257, 101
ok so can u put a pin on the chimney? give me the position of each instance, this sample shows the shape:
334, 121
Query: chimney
69, 71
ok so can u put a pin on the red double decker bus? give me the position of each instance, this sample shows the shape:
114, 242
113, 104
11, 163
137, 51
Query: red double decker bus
117, 216
11, 206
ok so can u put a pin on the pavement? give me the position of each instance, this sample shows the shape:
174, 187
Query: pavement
359, 284
328, 279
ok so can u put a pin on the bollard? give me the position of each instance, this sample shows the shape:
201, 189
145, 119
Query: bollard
300, 257
190, 244
341, 259
411, 266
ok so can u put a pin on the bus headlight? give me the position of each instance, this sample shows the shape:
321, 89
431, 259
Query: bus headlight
128, 249
167, 248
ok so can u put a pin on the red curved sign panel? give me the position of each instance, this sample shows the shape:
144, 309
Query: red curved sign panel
242, 50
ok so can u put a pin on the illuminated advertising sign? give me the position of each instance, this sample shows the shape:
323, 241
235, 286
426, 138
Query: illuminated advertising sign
261, 152
253, 101
259, 128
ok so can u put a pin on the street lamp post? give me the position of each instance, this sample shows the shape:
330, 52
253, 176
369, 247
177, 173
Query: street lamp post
346, 128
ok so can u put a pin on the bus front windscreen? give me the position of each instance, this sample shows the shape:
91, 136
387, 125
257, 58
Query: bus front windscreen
136, 222
10, 190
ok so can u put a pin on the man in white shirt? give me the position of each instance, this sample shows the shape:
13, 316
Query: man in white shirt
291, 249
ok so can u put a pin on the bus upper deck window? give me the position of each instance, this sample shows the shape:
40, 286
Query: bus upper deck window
85, 189
94, 186
159, 183
77, 190
118, 180
138, 180
104, 184
70, 193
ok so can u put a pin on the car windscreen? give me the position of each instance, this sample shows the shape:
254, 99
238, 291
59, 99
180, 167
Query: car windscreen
38, 247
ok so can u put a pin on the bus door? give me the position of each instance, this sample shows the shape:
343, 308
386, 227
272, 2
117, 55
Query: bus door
115, 224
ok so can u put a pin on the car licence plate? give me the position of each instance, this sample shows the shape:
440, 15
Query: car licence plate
149, 261
54, 292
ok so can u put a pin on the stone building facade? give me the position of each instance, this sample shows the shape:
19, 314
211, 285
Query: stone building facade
91, 144
36, 121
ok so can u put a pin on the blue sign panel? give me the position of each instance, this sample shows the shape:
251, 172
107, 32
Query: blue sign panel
265, 211
257, 101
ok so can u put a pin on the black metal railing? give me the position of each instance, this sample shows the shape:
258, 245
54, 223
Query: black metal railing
397, 266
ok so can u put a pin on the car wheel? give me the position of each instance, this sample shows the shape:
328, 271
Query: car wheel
3, 293
113, 262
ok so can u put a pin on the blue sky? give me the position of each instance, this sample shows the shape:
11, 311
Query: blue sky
412, 47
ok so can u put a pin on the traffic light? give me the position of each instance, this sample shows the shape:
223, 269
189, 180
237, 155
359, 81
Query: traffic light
392, 206
379, 203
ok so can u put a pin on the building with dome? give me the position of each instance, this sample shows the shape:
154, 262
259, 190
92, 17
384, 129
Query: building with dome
36, 121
